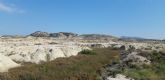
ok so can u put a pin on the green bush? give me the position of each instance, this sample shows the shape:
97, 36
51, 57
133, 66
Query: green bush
87, 52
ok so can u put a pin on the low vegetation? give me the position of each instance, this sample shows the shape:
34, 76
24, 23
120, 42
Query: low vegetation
155, 71
85, 66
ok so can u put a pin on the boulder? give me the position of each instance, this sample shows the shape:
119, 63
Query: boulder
136, 59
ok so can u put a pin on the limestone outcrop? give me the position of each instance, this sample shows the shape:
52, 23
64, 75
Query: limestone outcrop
39, 53
14, 51
6, 63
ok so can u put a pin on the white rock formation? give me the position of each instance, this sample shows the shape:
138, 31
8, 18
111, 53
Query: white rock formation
119, 77
39, 53
6, 63
36, 50
33, 50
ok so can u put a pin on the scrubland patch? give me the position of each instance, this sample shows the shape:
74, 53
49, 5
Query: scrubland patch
81, 67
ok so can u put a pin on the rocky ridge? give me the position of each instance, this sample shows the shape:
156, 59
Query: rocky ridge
62, 35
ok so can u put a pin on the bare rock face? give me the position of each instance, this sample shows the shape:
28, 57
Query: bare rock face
34, 50
42, 53
40, 34
6, 63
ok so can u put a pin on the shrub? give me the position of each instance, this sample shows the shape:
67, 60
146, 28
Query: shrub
87, 52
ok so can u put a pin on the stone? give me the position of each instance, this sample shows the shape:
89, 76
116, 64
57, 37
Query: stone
119, 77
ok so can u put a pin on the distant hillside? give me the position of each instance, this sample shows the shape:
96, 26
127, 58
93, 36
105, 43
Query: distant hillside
125, 38
72, 35
57, 35
98, 36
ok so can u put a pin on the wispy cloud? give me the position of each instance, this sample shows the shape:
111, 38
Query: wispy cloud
10, 8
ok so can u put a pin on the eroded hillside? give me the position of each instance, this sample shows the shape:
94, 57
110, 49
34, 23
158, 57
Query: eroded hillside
41, 56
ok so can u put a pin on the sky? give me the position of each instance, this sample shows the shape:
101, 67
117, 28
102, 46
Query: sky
136, 18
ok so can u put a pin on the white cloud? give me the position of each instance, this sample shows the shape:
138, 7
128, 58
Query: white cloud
9, 8
5, 8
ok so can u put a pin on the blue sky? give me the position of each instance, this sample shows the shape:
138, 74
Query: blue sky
140, 18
